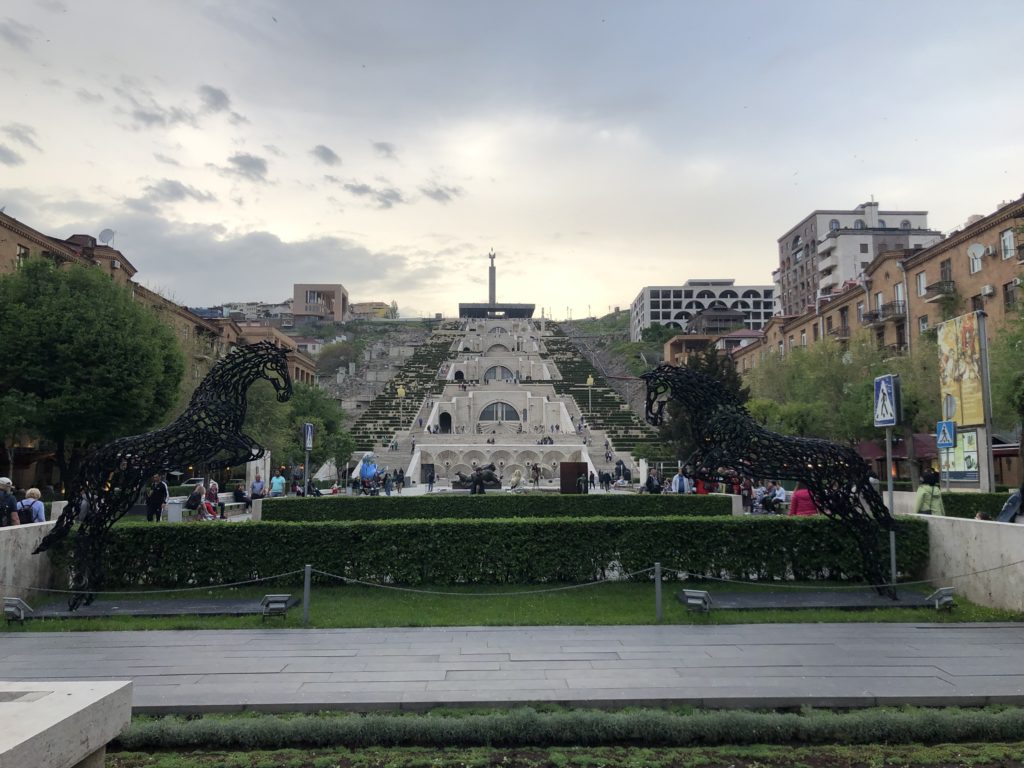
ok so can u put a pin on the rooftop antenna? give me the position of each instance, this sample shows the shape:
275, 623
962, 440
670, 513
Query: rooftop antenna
106, 236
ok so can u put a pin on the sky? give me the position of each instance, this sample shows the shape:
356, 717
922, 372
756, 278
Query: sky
237, 148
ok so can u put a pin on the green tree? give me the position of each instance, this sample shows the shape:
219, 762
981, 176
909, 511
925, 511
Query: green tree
17, 412
1006, 366
100, 365
335, 356
658, 334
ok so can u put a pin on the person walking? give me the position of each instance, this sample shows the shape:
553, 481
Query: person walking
679, 482
430, 481
277, 484
8, 504
156, 499
389, 483
1010, 510
802, 504
399, 480
31, 509
929, 497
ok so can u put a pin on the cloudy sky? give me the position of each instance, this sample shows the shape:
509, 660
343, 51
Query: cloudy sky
239, 147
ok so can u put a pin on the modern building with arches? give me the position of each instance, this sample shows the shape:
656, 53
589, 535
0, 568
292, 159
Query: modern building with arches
675, 306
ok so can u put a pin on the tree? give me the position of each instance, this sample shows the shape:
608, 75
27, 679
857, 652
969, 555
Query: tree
280, 429
658, 333
1006, 365
100, 365
17, 411
393, 311
335, 356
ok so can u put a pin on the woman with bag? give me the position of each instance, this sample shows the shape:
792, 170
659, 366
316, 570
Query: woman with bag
929, 497
31, 509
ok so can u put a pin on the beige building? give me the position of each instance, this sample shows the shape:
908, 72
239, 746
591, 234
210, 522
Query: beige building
370, 310
301, 366
320, 301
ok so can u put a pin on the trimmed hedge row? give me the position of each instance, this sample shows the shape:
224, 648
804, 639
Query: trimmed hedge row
969, 504
494, 505
511, 551
528, 727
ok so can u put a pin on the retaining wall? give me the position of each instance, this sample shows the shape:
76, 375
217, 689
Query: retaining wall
19, 568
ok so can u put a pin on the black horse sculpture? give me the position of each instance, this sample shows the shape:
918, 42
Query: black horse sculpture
729, 439
208, 434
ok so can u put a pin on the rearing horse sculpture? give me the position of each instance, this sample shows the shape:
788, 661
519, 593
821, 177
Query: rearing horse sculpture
208, 434
728, 438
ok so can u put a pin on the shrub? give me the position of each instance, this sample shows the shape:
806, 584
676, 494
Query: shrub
969, 504
491, 505
509, 551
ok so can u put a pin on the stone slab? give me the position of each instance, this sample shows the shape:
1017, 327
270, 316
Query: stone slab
197, 606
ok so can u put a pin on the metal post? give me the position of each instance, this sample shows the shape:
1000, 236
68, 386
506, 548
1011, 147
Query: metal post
306, 579
305, 476
888, 474
657, 592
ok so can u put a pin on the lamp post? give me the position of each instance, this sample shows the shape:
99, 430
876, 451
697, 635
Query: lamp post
590, 385
400, 394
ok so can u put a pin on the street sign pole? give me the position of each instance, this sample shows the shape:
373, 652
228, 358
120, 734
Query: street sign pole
888, 413
307, 441
891, 493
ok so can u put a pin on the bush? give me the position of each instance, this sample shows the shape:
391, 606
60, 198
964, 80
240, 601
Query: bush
492, 505
510, 551
969, 504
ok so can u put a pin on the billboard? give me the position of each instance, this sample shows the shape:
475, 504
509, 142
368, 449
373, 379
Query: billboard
960, 369
961, 462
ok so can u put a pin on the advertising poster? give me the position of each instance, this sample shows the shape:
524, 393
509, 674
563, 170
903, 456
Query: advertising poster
960, 369
961, 463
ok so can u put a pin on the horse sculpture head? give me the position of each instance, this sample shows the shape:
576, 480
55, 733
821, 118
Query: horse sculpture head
659, 392
275, 369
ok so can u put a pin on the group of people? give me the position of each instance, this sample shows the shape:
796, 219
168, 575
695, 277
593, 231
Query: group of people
767, 497
20, 509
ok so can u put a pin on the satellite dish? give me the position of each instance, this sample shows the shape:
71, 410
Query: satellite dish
106, 236
976, 250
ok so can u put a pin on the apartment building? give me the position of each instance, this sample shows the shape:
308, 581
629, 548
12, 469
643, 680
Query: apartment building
827, 248
675, 306
320, 301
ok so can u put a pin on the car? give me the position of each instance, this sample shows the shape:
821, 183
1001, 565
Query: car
194, 481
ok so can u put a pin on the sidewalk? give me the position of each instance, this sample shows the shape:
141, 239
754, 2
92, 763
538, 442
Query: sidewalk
766, 665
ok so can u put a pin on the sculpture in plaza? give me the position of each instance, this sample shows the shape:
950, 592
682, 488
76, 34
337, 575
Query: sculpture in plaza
482, 477
729, 440
208, 434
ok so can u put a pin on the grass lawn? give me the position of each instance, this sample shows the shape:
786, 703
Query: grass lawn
608, 603
860, 756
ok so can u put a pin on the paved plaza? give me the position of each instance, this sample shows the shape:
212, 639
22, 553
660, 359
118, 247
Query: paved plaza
765, 665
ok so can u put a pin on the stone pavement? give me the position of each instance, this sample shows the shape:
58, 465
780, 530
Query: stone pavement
765, 665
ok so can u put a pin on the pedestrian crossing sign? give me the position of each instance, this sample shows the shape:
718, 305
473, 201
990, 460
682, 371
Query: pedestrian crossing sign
945, 434
887, 400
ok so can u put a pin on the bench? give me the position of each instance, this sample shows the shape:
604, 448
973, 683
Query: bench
176, 511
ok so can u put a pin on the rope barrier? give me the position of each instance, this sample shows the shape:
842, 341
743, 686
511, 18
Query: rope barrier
154, 591
566, 588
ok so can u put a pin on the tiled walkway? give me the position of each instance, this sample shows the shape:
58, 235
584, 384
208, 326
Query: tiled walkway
361, 669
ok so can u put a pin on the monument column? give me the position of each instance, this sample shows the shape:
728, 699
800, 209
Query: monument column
491, 280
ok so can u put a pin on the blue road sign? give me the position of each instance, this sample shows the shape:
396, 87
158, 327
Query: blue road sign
887, 400
945, 434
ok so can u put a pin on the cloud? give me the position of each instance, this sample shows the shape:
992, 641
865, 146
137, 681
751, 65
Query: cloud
146, 112
168, 191
88, 96
23, 134
325, 155
9, 157
442, 193
215, 100
385, 149
54, 6
161, 158
274, 150
16, 34
385, 197
246, 166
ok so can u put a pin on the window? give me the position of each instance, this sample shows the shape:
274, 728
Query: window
803, 338
977, 303
922, 323
946, 270
1006, 243
499, 372
790, 342
828, 324
974, 261
922, 283
815, 331
499, 412
833, 225
863, 247
898, 294
879, 301
858, 224
905, 224
1010, 295
844, 317
881, 223
860, 312
21, 257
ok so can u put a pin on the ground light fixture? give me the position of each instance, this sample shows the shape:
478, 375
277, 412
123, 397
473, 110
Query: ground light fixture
942, 598
15, 609
695, 600
275, 605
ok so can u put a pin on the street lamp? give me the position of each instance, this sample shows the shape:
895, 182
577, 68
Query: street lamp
590, 384
400, 393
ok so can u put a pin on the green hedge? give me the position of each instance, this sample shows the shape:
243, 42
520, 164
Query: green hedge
492, 505
969, 504
516, 551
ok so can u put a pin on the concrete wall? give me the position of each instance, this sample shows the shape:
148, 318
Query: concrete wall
19, 568
958, 546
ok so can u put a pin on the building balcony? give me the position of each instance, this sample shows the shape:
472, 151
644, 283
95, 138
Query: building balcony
840, 333
939, 290
894, 310
827, 261
895, 350
871, 318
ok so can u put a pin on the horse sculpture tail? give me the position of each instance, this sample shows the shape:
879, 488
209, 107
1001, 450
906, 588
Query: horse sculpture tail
65, 522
